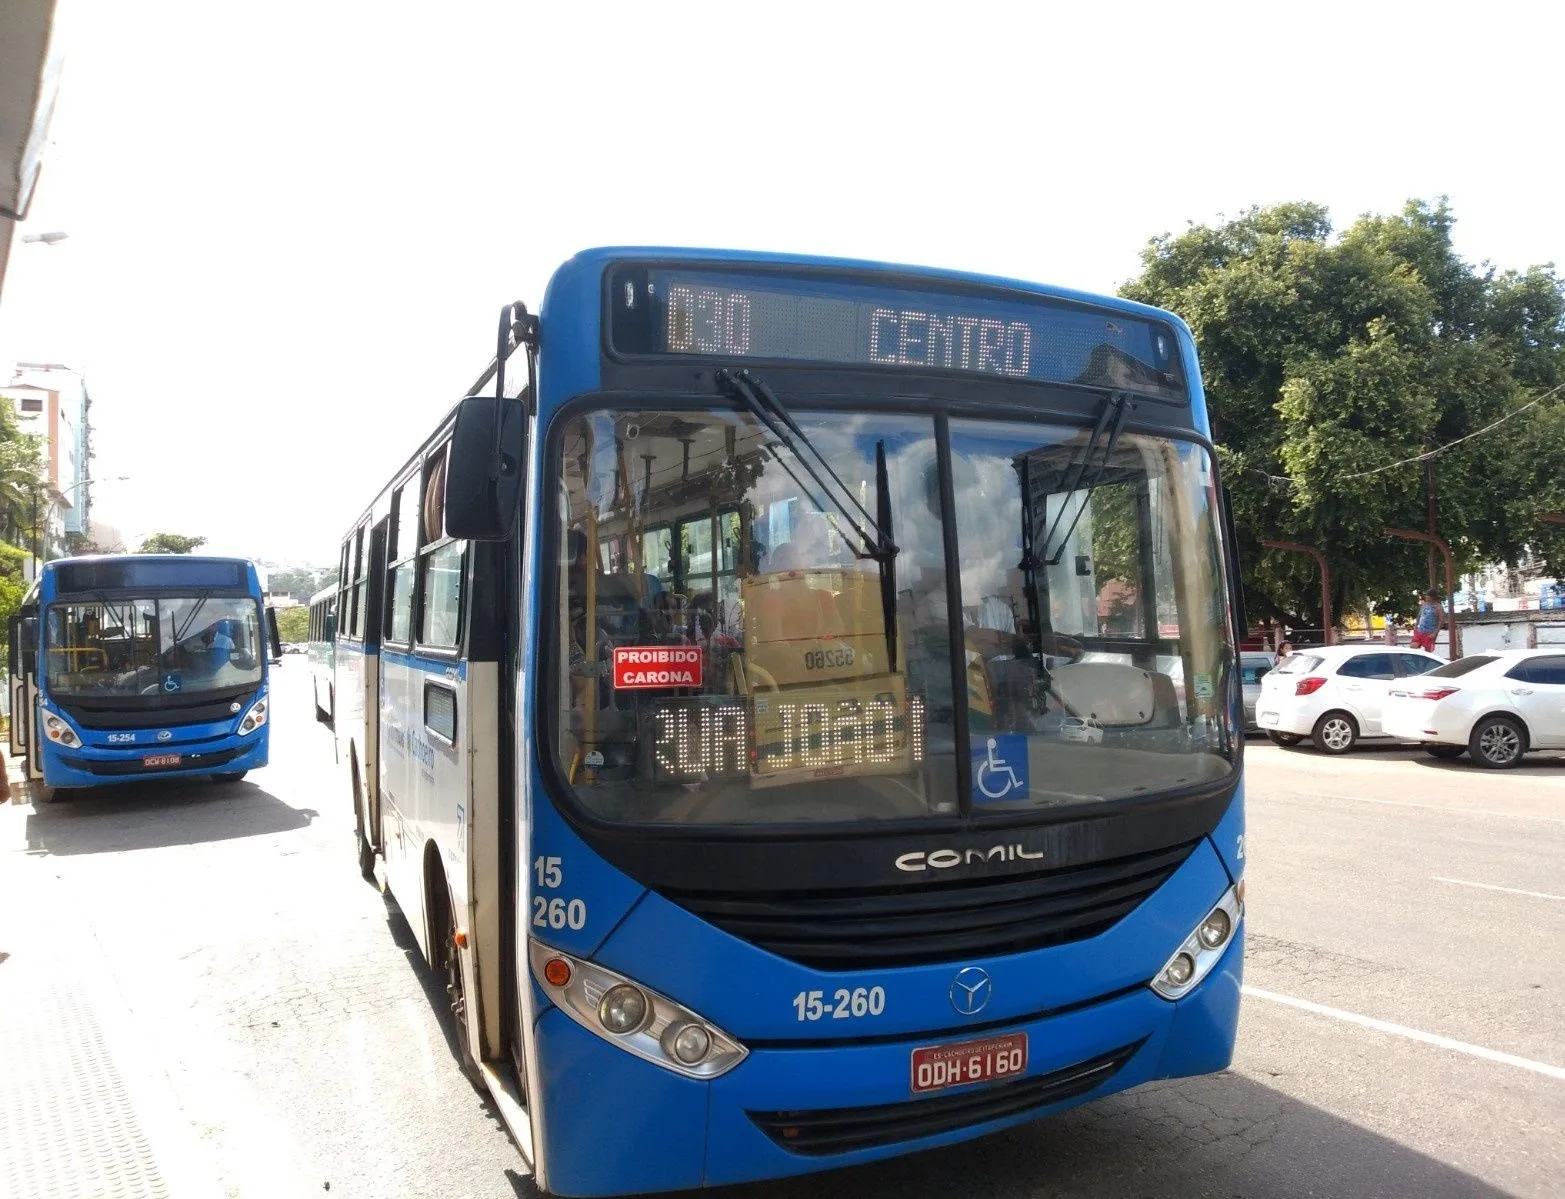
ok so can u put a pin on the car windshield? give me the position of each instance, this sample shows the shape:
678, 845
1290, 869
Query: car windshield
1252, 669
752, 656
1455, 670
152, 646
1298, 664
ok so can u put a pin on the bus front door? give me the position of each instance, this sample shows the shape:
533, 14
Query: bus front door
22, 643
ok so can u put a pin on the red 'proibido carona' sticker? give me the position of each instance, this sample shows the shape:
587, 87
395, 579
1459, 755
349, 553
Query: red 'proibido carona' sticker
645, 667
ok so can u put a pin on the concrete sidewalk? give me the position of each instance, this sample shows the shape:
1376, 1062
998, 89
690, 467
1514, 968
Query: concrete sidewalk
85, 1109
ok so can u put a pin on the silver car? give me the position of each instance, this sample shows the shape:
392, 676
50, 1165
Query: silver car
1253, 665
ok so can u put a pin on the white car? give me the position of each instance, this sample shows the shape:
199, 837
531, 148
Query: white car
1333, 694
1495, 705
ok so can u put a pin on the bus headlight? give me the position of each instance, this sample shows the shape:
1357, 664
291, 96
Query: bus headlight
254, 718
637, 1019
1202, 949
57, 730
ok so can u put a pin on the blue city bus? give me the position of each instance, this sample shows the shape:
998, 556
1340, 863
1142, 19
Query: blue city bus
795, 704
140, 666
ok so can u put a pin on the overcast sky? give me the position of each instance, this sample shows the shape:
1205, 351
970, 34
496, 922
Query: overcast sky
292, 224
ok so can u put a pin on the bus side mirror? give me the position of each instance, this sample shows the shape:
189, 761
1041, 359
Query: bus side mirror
485, 468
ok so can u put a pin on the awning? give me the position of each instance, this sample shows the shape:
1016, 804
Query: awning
29, 82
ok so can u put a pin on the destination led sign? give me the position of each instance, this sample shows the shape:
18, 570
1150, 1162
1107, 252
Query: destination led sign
833, 321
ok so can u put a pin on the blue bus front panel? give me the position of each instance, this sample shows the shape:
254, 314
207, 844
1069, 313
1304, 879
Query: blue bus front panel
1093, 1027
108, 756
615, 1124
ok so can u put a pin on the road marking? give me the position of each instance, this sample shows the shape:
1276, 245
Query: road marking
1412, 1034
1433, 807
1461, 882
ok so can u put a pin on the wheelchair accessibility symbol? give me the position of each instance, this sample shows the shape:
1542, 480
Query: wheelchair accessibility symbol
1000, 769
171, 683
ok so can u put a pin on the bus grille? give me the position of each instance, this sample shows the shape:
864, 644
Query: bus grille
939, 922
845, 1129
163, 716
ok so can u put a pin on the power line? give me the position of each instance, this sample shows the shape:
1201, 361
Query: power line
1424, 457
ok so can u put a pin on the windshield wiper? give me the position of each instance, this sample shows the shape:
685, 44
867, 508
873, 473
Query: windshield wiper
872, 532
1118, 406
190, 620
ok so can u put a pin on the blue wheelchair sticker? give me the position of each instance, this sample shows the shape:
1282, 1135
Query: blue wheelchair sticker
999, 767
171, 683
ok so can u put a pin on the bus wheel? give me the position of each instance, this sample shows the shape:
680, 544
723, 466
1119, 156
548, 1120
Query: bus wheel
456, 993
232, 776
360, 833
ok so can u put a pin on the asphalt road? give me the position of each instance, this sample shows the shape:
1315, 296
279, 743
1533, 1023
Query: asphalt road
265, 1028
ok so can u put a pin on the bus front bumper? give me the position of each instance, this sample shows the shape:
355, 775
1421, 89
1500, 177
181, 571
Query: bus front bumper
614, 1124
90, 766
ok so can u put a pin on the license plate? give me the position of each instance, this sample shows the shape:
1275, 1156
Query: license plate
1268, 718
936, 1067
160, 760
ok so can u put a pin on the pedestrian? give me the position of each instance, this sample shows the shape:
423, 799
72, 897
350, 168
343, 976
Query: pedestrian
1428, 622
1284, 648
1391, 630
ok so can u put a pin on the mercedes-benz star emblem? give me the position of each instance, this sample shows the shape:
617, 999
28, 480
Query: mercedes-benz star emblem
970, 990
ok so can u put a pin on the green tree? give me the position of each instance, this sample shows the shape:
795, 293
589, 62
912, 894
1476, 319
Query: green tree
12, 585
293, 624
1328, 359
171, 543
23, 504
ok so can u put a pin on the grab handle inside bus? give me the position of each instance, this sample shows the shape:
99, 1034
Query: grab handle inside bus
484, 482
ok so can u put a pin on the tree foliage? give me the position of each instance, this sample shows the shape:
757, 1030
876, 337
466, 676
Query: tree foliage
293, 624
171, 543
1327, 358
301, 583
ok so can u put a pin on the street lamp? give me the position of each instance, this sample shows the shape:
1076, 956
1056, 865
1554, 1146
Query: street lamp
62, 494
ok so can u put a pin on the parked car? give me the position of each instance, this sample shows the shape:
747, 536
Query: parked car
1333, 694
1253, 667
1494, 706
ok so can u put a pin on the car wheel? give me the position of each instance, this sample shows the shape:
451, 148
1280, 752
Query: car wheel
1287, 740
1335, 733
1498, 742
1445, 751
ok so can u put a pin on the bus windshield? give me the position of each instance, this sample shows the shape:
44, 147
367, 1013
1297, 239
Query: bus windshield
724, 654
163, 645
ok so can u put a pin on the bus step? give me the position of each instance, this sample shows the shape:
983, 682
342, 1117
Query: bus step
508, 1099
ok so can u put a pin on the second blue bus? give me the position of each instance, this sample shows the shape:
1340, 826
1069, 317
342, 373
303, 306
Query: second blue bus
140, 667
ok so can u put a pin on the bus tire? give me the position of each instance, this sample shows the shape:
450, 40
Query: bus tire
361, 838
448, 957
233, 776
